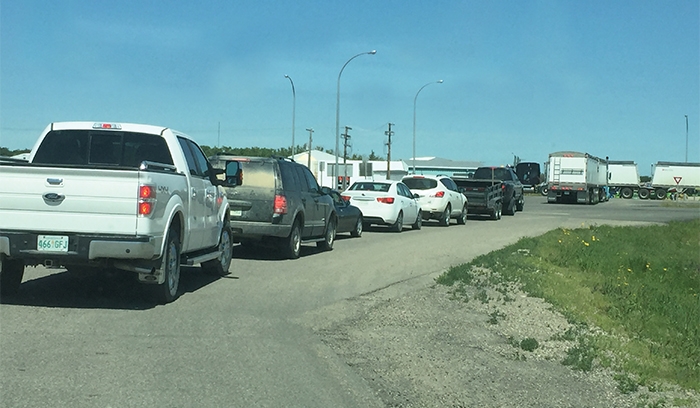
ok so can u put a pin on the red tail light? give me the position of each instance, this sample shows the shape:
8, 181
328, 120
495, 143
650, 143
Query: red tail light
147, 191
386, 200
439, 194
503, 186
345, 198
147, 199
280, 204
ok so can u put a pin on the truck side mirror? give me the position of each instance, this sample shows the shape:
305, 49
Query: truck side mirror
234, 174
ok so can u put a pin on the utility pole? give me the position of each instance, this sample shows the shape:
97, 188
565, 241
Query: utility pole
311, 132
345, 137
686, 138
388, 133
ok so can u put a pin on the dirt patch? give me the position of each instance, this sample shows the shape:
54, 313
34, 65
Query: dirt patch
430, 348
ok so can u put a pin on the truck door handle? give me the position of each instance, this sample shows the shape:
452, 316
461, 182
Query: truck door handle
194, 193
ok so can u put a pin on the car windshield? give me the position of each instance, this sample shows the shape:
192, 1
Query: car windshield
370, 186
416, 183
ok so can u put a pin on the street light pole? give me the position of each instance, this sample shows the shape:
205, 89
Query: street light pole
414, 121
337, 110
294, 108
686, 138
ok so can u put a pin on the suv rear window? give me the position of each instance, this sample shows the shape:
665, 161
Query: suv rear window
420, 183
99, 147
258, 174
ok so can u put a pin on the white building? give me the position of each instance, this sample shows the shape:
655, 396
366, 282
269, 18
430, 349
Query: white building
322, 165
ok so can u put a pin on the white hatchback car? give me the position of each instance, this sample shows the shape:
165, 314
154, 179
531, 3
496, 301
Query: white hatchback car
385, 203
439, 198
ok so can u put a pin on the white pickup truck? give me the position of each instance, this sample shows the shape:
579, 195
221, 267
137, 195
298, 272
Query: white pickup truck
97, 196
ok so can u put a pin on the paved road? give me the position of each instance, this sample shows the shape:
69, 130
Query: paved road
238, 341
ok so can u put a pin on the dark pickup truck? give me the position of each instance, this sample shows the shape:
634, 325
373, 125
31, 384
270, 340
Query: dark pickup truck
507, 181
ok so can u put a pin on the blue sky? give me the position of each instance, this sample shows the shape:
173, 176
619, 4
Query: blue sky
611, 78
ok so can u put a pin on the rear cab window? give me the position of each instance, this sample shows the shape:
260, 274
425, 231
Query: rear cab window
101, 148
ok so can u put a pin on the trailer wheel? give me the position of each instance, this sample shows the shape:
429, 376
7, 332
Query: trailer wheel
496, 212
660, 193
643, 193
626, 192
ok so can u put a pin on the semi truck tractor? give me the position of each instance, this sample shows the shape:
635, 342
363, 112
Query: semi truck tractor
576, 177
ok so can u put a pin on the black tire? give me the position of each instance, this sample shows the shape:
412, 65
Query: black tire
169, 290
544, 190
359, 226
221, 265
292, 246
462, 219
329, 236
398, 225
497, 211
11, 274
510, 210
626, 192
445, 218
520, 204
419, 222
660, 193
643, 193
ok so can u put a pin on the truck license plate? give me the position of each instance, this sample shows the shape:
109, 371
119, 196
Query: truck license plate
52, 243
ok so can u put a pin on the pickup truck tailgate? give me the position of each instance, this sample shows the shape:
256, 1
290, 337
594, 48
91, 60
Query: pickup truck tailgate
52, 199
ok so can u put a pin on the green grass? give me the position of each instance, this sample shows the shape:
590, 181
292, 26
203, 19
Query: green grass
640, 285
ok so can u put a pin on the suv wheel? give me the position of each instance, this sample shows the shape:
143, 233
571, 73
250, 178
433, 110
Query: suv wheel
292, 245
445, 219
329, 239
520, 204
462, 219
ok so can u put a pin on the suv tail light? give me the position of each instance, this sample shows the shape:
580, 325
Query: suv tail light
345, 198
386, 200
439, 194
280, 206
147, 199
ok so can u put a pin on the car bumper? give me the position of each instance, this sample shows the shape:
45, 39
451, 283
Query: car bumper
81, 247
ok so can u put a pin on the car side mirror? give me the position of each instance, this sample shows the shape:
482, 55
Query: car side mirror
416, 196
233, 174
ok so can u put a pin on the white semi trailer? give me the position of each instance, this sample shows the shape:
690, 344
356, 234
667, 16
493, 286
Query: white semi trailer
576, 177
671, 176
624, 177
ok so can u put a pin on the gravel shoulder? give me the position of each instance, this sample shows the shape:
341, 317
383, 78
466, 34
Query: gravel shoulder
418, 345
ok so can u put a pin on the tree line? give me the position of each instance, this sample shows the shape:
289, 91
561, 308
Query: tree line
237, 151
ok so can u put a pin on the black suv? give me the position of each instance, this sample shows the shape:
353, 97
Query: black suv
278, 203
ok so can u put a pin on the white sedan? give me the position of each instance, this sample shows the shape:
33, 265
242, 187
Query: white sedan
385, 203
